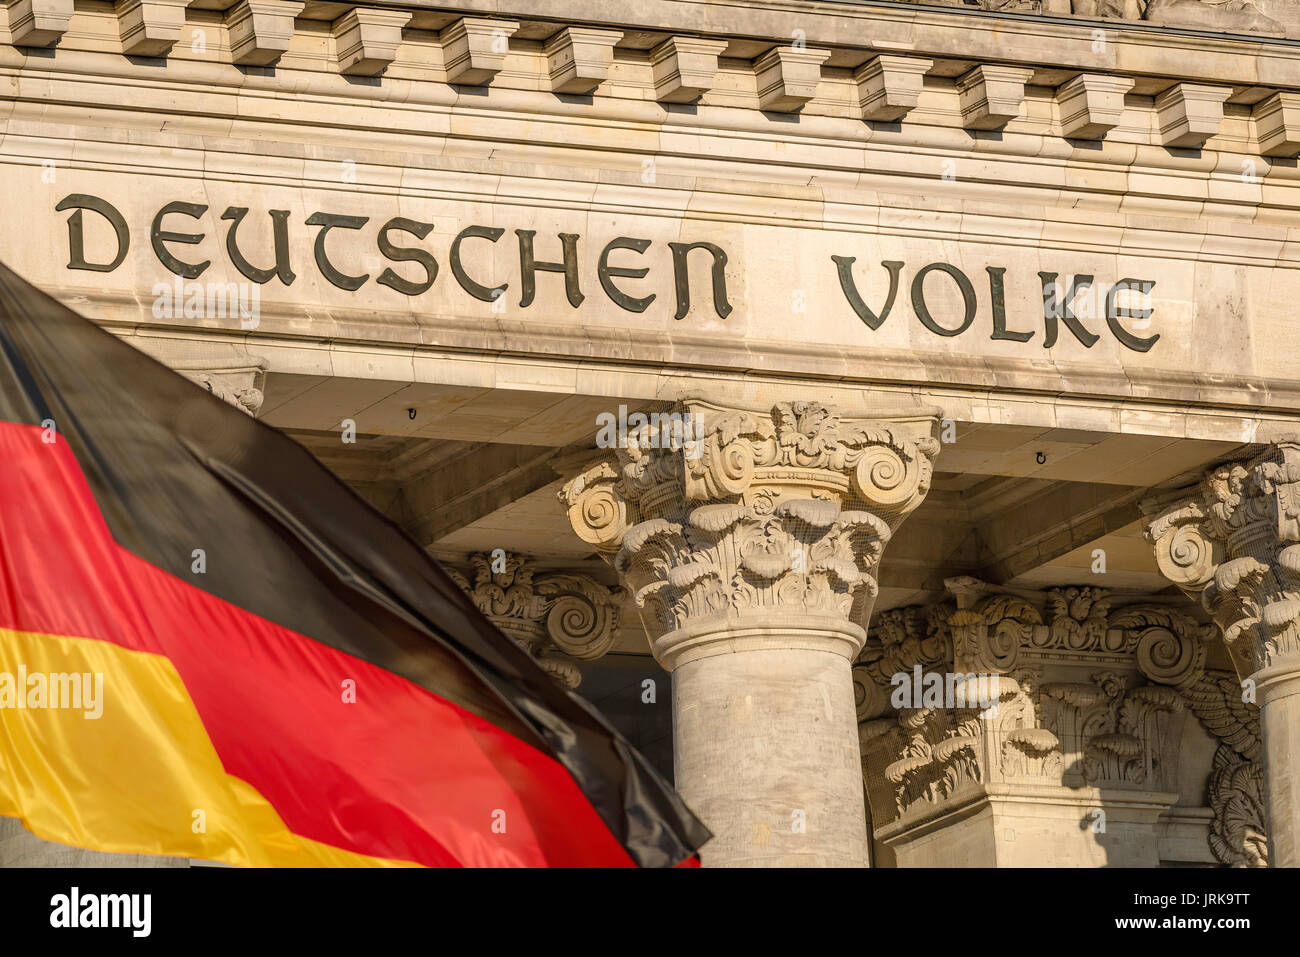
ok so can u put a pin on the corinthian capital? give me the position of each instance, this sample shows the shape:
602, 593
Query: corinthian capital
713, 514
1234, 543
554, 616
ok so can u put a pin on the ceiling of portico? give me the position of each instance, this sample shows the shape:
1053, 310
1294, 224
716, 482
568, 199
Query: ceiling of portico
551, 415
994, 511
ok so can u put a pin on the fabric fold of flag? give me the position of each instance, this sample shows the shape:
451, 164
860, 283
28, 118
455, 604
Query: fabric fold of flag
317, 692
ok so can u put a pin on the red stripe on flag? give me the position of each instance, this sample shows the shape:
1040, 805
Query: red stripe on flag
398, 774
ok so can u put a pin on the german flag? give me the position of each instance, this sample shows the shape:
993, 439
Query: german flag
282, 677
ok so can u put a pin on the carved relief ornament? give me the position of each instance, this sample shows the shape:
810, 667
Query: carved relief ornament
554, 616
1108, 716
1234, 544
787, 509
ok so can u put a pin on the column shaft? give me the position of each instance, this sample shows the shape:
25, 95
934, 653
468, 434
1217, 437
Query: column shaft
1279, 710
765, 752
1234, 543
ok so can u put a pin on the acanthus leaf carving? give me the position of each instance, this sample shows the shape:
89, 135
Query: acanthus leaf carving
554, 616
1237, 835
1115, 726
1229, 544
789, 509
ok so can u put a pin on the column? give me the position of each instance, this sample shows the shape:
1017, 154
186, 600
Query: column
750, 541
1231, 542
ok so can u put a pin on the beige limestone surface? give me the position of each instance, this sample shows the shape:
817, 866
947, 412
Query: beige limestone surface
987, 145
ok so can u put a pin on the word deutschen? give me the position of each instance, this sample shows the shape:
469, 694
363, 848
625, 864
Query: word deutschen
469, 248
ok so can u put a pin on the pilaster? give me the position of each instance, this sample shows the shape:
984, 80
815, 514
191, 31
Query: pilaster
1006, 728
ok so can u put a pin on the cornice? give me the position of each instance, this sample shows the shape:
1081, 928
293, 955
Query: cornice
582, 47
1188, 408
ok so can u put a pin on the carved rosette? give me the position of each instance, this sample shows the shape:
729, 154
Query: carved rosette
1234, 544
554, 616
785, 510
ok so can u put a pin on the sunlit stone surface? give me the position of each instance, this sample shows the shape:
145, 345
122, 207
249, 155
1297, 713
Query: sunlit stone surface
979, 343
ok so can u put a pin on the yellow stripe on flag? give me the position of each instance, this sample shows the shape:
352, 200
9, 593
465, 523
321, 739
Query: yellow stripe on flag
132, 780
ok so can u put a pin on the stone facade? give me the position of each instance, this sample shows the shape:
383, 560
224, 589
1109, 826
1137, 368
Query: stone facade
895, 401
